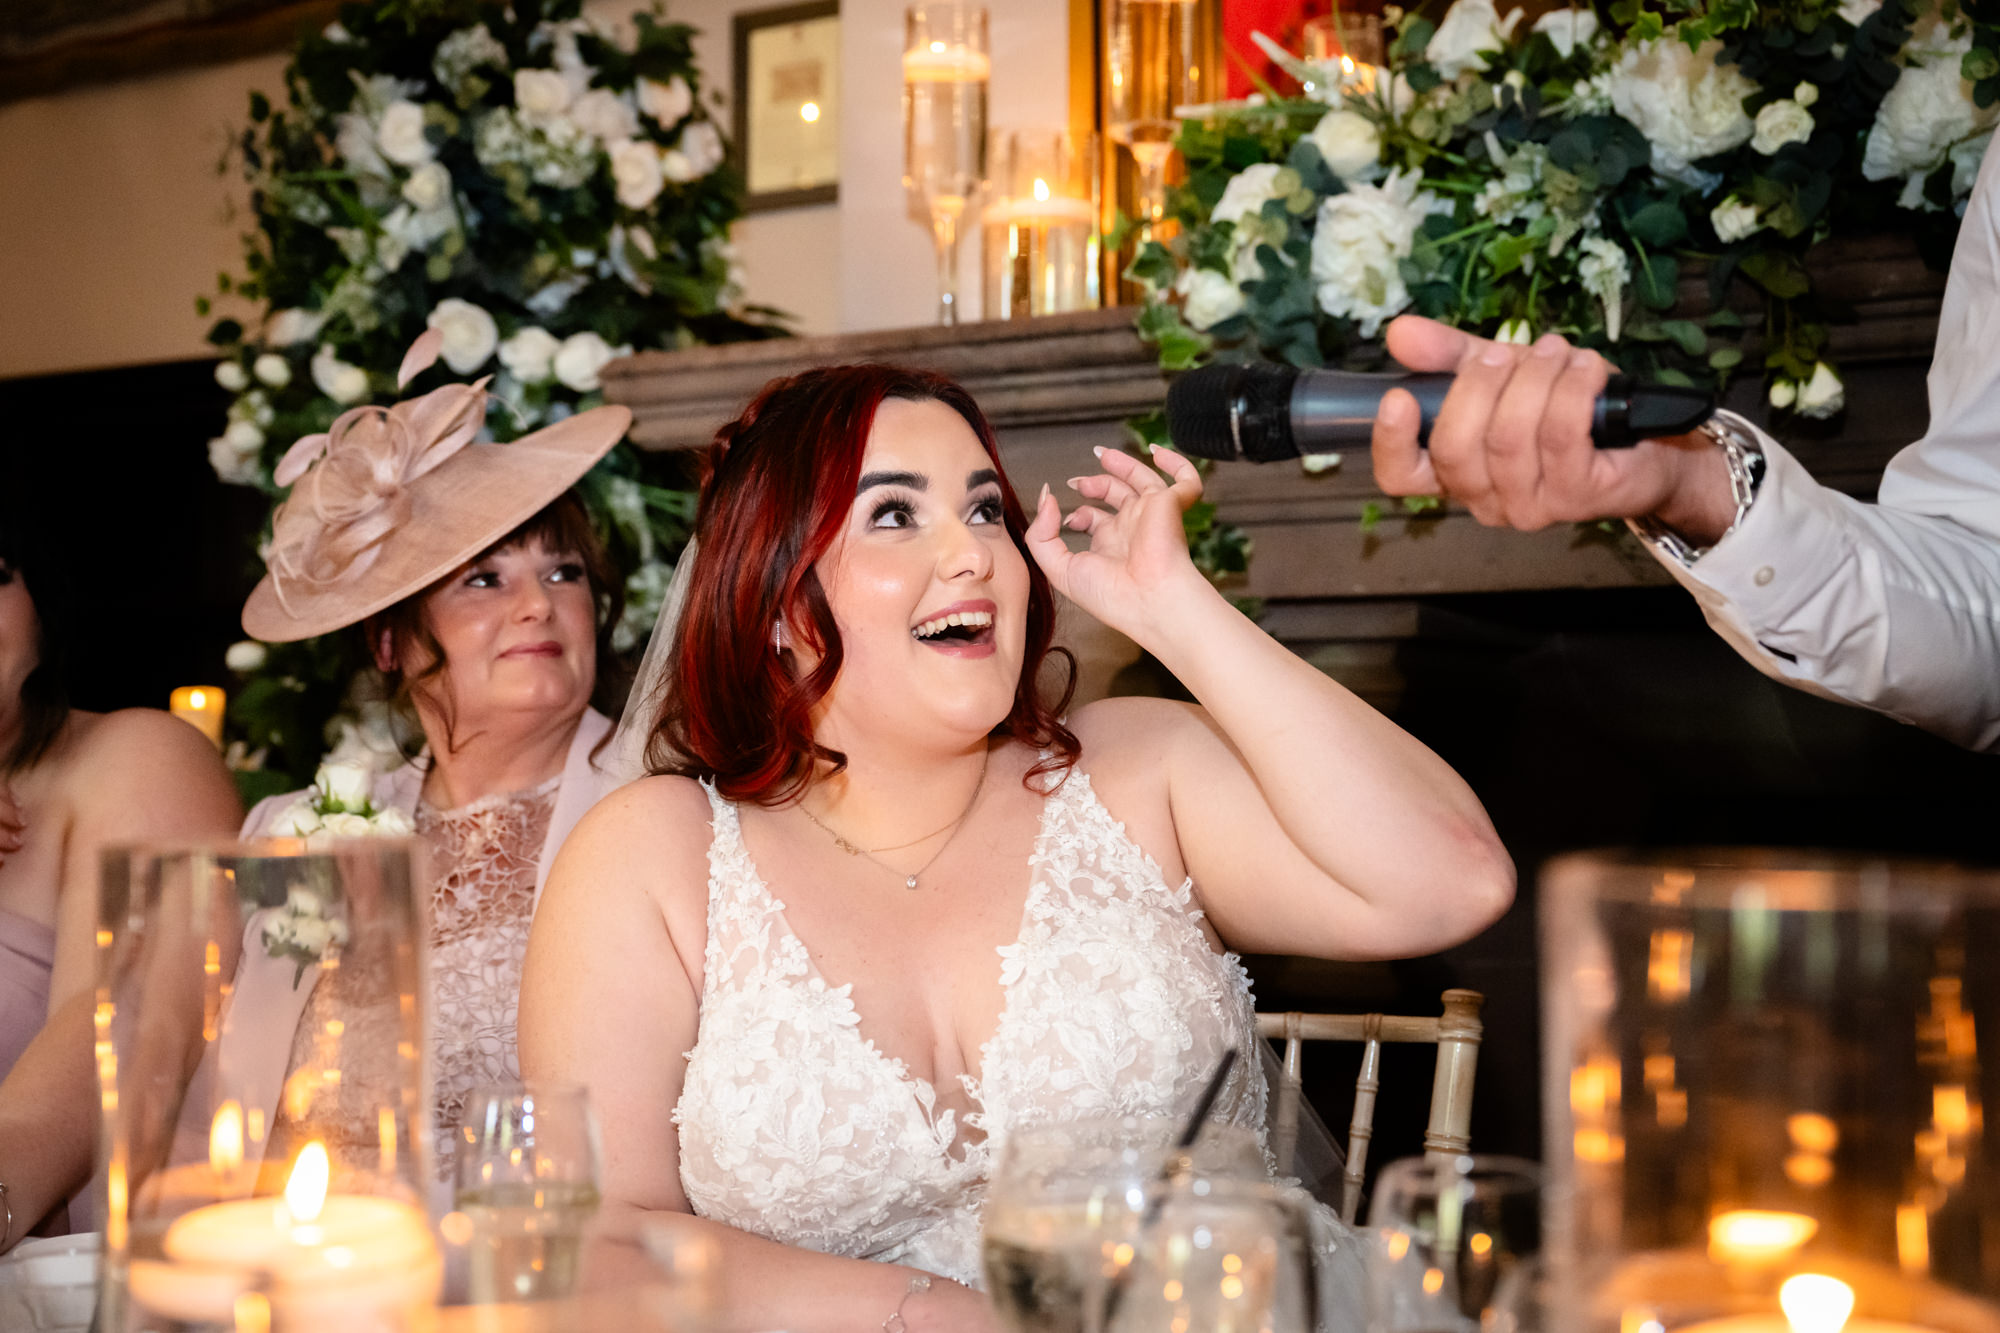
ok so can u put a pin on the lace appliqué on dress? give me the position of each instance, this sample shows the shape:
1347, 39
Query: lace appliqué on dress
794, 1126
484, 858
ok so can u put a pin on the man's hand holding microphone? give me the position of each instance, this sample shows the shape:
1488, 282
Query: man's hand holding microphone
1512, 441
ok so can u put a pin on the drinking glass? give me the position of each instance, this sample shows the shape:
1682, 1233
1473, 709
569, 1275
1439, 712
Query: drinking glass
527, 1186
945, 69
1453, 1232
1154, 57
1349, 42
1083, 1234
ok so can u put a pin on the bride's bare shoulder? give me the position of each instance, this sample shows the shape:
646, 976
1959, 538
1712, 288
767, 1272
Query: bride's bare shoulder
649, 813
1130, 733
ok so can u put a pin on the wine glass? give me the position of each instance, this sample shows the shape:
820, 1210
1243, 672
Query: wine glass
1153, 57
945, 69
1454, 1234
527, 1185
1087, 1230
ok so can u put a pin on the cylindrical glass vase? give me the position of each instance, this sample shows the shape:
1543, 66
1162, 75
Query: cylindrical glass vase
1039, 230
266, 1089
1765, 1091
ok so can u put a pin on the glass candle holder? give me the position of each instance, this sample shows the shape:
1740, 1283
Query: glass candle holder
266, 1094
1039, 243
1765, 1092
1349, 46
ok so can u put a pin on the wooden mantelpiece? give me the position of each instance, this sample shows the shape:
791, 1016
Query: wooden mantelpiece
1056, 386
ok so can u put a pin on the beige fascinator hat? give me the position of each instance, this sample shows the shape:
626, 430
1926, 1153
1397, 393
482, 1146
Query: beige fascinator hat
391, 499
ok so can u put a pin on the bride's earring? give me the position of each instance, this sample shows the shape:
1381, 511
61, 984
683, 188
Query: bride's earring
778, 637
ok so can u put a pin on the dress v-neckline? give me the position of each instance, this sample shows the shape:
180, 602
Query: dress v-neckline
922, 1091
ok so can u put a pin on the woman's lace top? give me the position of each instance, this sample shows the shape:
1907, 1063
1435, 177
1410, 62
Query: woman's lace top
483, 863
794, 1126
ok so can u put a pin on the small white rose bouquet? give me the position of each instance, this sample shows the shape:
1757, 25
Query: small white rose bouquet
309, 929
340, 804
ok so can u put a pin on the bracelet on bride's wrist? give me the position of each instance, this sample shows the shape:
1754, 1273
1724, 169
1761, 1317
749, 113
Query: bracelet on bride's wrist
919, 1284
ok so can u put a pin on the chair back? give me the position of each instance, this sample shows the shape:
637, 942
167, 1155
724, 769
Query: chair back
1456, 1033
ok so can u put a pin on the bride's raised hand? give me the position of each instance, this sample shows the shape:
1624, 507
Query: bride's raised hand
1137, 564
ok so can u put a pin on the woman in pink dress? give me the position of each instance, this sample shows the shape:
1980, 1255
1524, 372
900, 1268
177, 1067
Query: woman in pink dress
71, 782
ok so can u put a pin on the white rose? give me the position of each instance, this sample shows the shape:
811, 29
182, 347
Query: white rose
346, 785
636, 167
1567, 29
344, 383
231, 376
400, 134
428, 188
1858, 12
1784, 393
1734, 219
354, 140
1806, 94
245, 437
1208, 297
530, 354
1779, 123
1350, 143
1246, 194
1359, 240
245, 656
676, 167
272, 369
1823, 394
393, 823
470, 335
701, 144
604, 115
345, 825
1929, 109
540, 92
312, 934
231, 467
292, 326
296, 820
1470, 28
666, 102
581, 357
1686, 105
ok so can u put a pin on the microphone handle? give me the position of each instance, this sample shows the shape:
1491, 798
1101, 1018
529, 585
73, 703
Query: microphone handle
1334, 410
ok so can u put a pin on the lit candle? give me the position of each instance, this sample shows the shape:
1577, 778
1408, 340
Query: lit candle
942, 63
327, 1259
1810, 1303
1754, 1236
200, 706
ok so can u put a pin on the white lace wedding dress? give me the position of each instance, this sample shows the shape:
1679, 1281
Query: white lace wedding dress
795, 1127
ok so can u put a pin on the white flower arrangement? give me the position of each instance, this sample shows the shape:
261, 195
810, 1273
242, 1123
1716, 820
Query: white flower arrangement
309, 930
340, 804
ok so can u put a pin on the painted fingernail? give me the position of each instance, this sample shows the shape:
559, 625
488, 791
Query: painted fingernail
1496, 354
1044, 499
1097, 449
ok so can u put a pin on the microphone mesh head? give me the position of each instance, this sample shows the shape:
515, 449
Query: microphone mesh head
1256, 394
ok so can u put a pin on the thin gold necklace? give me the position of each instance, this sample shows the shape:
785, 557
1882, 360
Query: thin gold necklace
909, 880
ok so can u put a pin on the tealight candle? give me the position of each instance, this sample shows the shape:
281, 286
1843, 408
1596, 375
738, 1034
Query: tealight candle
1810, 1303
200, 706
324, 1257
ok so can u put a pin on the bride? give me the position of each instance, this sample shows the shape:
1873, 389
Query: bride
885, 904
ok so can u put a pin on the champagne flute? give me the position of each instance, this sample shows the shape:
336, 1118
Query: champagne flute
1153, 54
945, 69
527, 1183
1455, 1236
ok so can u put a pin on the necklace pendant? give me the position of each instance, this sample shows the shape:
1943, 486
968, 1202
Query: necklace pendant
910, 883
845, 845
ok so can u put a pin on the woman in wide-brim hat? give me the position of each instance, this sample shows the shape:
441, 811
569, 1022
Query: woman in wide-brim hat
486, 601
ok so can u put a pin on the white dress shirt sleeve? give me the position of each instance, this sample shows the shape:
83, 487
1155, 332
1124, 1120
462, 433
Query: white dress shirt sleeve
1896, 605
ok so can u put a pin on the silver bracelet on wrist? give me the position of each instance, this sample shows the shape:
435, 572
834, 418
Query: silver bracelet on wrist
1744, 458
919, 1284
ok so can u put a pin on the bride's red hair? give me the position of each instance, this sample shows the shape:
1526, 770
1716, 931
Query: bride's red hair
781, 482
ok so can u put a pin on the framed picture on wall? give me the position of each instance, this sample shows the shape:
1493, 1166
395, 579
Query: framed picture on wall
787, 84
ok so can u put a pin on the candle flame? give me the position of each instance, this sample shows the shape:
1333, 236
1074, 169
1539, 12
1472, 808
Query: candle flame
305, 1192
809, 112
197, 699
1041, 190
225, 1138
1815, 1303
1749, 1234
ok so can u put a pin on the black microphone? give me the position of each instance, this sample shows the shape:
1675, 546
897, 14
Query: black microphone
1262, 411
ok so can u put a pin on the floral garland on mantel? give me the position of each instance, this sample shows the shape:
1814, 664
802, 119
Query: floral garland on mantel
1564, 177
513, 173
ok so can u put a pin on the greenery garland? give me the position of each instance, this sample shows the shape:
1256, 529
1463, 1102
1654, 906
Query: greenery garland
550, 196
